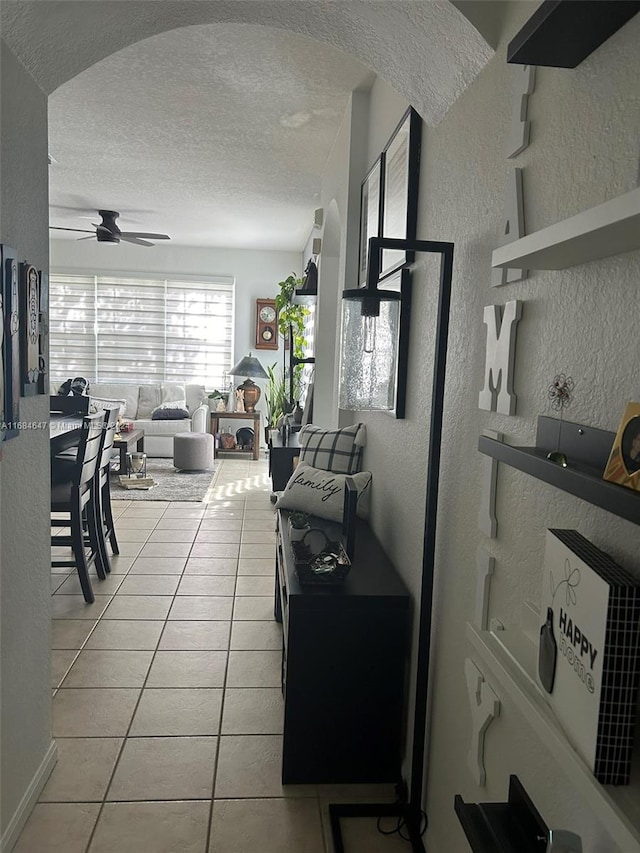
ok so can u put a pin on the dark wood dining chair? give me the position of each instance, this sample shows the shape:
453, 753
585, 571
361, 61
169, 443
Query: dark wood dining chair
74, 493
104, 515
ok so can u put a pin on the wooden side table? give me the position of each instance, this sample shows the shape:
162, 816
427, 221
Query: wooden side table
216, 417
125, 442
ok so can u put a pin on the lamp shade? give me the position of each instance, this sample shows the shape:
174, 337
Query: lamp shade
250, 367
369, 350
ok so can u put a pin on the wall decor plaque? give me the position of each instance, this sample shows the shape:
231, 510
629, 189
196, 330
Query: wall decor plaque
590, 614
30, 323
10, 342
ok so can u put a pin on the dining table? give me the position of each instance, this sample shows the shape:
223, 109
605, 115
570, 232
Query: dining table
65, 430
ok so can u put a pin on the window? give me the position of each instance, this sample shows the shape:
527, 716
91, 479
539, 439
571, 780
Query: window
118, 328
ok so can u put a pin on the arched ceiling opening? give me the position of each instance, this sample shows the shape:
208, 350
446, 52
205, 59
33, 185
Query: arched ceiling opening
212, 121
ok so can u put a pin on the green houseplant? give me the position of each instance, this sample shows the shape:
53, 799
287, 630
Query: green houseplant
298, 525
291, 320
275, 395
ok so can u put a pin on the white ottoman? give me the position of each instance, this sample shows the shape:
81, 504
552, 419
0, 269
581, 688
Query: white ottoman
193, 451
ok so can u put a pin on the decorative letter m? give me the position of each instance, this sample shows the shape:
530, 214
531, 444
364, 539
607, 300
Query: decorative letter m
497, 394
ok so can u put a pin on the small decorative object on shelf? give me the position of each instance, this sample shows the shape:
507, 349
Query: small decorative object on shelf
623, 465
318, 560
560, 392
298, 525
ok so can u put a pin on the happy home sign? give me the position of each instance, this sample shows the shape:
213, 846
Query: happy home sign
589, 651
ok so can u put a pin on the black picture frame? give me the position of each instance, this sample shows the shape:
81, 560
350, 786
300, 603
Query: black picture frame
400, 281
30, 329
371, 211
43, 339
400, 178
10, 342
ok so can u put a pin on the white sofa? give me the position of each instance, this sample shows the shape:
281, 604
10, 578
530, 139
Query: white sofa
140, 400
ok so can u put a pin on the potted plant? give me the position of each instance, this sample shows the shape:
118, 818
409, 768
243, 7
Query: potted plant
291, 320
221, 398
298, 525
275, 396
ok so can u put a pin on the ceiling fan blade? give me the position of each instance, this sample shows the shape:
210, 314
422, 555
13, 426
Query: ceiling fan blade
81, 230
146, 235
87, 238
136, 240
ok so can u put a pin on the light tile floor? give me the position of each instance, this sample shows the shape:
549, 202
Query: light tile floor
167, 708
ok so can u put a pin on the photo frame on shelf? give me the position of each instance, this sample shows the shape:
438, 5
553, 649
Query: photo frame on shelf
400, 178
623, 465
371, 208
10, 341
29, 294
401, 282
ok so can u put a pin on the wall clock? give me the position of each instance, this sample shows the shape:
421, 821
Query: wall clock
266, 324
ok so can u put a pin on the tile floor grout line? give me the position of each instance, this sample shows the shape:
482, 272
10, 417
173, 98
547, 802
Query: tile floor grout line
126, 735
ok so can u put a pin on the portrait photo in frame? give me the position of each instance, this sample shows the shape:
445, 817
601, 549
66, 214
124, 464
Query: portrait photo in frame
401, 168
371, 207
623, 465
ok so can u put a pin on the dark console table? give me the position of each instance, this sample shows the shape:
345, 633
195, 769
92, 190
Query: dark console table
344, 659
281, 458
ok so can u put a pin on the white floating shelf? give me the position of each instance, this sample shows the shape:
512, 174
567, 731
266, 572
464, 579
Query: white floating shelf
609, 229
510, 656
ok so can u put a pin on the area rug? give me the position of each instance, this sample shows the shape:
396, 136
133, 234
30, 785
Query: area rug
171, 485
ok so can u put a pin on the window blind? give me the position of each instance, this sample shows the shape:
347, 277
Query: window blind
120, 328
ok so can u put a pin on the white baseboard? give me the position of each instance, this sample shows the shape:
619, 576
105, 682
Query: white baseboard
28, 801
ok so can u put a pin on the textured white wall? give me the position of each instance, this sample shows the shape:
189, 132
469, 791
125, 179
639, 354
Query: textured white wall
584, 150
25, 589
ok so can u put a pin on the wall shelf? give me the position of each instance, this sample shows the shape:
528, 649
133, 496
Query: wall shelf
587, 450
611, 228
562, 33
618, 807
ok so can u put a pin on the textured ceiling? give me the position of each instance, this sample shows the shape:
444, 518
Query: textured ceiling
215, 129
216, 135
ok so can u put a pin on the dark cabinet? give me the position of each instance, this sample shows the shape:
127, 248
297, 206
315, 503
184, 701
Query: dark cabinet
344, 660
281, 458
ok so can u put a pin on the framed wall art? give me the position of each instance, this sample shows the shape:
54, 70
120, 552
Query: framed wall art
371, 207
623, 465
400, 176
10, 342
30, 329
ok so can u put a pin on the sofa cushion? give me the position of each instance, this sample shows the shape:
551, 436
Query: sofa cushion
149, 397
162, 428
97, 404
170, 411
118, 391
195, 396
172, 392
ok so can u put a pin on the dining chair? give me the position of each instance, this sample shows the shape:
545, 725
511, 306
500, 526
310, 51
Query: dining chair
74, 493
104, 515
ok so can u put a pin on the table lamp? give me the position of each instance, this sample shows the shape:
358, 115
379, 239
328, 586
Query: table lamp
250, 367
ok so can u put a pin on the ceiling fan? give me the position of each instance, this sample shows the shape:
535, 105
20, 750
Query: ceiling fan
108, 232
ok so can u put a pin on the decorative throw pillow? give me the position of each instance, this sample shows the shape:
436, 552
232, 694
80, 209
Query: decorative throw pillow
176, 411
97, 404
321, 493
338, 450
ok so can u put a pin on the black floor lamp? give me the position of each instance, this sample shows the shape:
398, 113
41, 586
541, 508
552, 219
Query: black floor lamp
371, 315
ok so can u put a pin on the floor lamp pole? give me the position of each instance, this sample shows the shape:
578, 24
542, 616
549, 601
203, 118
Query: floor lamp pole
411, 812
